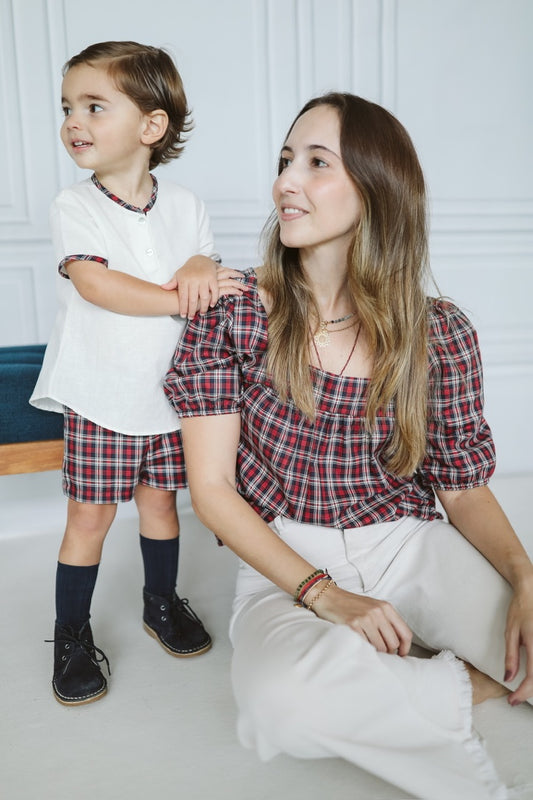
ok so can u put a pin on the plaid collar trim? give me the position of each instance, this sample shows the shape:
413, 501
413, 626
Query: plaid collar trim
115, 199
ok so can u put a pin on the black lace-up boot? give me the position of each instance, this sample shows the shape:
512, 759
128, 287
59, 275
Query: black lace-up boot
174, 624
78, 678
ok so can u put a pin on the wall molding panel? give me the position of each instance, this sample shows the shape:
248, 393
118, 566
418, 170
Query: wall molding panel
514, 216
18, 301
14, 199
56, 44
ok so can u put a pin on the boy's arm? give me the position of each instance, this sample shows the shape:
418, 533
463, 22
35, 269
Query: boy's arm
120, 292
197, 286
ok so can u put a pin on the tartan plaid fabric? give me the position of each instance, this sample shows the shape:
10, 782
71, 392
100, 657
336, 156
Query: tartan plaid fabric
331, 472
103, 466
148, 206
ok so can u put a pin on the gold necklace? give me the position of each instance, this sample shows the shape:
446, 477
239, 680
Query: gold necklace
349, 357
321, 337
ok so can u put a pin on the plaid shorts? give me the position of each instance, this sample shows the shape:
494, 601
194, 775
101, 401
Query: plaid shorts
103, 466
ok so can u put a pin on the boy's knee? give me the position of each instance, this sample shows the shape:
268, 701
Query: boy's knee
87, 519
156, 502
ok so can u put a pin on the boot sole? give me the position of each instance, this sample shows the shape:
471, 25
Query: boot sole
83, 702
154, 635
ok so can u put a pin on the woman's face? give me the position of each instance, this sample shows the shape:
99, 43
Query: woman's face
316, 200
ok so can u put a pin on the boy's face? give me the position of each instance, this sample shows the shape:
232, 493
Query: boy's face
102, 128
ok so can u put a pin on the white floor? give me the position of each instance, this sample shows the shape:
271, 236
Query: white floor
167, 726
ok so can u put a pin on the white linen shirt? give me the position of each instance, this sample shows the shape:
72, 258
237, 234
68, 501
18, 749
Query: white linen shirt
109, 367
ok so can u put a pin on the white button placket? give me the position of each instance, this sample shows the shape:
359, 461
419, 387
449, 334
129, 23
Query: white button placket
145, 244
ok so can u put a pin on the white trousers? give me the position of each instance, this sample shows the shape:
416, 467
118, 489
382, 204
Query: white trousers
314, 689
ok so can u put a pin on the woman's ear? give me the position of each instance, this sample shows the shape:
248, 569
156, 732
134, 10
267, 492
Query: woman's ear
156, 124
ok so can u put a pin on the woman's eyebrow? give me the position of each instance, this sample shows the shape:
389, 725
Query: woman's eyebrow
288, 148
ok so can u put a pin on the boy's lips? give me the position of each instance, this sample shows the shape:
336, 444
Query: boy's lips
78, 144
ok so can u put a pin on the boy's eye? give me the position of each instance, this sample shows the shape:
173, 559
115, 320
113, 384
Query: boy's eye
65, 110
318, 162
94, 108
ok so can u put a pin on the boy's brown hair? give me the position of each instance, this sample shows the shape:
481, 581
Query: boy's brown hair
149, 77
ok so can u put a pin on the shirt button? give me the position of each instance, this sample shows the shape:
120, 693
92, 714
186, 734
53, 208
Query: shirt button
149, 252
141, 219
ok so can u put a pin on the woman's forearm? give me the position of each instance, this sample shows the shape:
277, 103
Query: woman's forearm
241, 529
479, 517
210, 445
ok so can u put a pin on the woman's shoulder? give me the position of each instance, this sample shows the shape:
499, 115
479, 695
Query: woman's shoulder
249, 282
451, 332
447, 320
247, 305
237, 318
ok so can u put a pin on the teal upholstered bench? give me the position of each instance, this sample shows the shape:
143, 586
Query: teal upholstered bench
31, 440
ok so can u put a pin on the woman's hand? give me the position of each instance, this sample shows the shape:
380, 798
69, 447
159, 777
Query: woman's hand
519, 633
377, 621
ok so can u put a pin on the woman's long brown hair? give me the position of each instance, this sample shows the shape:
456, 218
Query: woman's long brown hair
387, 271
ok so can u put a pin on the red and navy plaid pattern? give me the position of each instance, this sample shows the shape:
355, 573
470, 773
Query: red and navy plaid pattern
116, 199
103, 466
78, 257
331, 471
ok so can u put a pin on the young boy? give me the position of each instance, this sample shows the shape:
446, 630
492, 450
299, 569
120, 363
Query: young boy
118, 236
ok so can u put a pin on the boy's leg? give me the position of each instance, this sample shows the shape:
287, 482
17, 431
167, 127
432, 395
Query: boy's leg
167, 618
87, 526
77, 675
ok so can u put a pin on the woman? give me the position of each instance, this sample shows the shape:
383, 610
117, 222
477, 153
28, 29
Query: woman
343, 400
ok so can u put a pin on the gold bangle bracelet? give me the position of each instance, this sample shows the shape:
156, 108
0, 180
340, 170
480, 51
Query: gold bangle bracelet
312, 589
320, 593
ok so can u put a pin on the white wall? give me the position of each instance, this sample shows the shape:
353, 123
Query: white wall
456, 73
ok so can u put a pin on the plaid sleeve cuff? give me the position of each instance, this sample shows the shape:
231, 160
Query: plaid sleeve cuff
62, 264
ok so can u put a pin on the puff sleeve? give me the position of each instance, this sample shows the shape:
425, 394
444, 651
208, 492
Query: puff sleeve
216, 349
460, 451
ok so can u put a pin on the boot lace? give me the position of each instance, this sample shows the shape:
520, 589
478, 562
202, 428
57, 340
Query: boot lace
96, 655
181, 605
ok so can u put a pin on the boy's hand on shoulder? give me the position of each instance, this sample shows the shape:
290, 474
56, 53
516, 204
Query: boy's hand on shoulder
199, 284
229, 281
195, 283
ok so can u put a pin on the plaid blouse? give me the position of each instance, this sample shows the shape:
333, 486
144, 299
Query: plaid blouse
330, 471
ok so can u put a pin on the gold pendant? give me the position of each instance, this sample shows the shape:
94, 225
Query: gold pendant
322, 337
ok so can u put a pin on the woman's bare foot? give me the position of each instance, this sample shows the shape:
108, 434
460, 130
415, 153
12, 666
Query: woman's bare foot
483, 687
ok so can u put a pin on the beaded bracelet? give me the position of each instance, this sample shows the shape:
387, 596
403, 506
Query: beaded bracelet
331, 582
323, 576
303, 585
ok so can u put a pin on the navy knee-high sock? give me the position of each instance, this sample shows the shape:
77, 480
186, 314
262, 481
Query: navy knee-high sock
160, 557
74, 591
